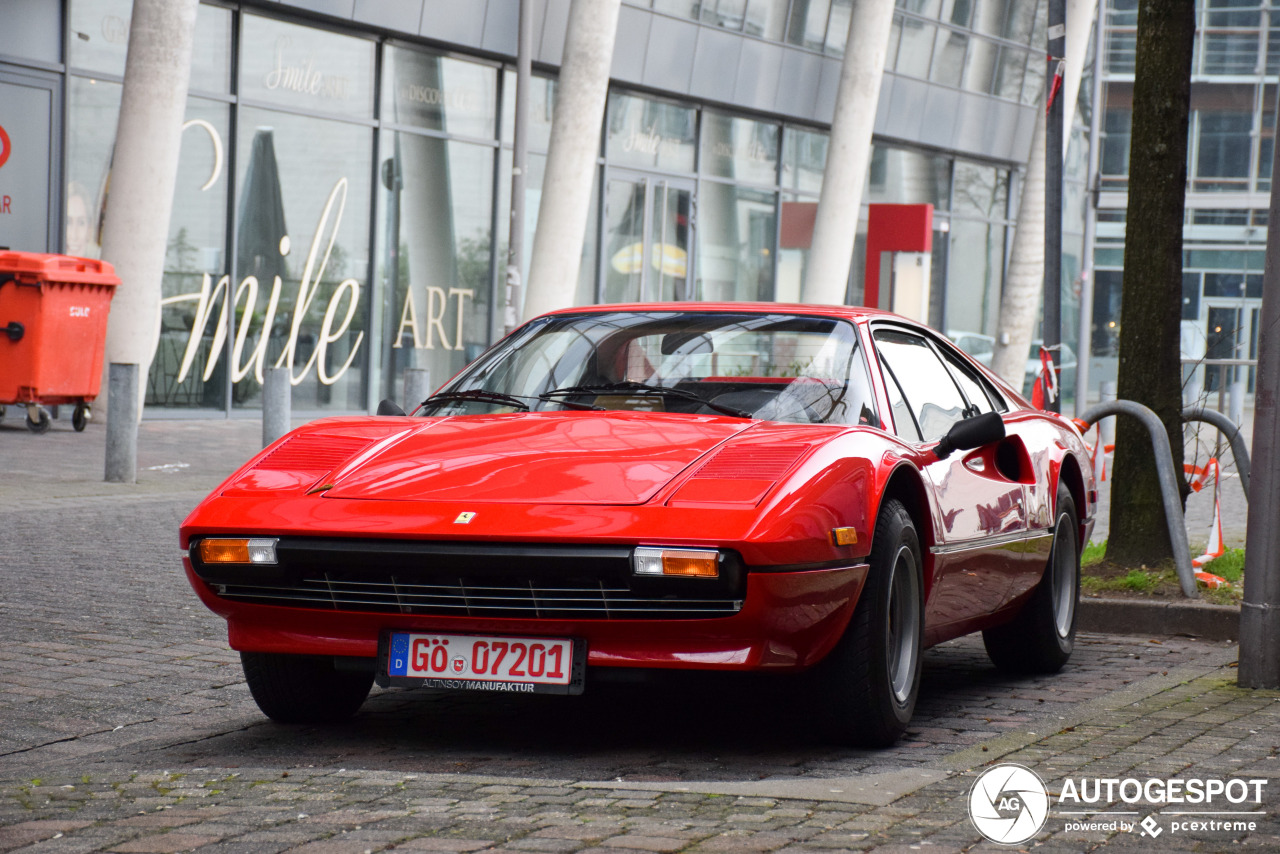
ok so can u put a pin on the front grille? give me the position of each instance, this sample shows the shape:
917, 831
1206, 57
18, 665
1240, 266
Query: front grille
472, 580
481, 598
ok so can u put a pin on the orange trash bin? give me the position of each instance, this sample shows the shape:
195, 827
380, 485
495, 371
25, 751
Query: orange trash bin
53, 332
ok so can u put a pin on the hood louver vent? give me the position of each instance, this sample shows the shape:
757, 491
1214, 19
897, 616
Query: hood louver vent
313, 453
751, 462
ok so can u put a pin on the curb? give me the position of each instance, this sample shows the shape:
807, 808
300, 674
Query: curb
1138, 617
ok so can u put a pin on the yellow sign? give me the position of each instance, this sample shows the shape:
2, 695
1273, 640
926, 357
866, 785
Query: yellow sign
669, 259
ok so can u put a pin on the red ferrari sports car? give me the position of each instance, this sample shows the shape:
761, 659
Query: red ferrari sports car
752, 487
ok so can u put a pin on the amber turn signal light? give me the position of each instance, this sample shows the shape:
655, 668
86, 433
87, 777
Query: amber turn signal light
844, 536
261, 551
684, 563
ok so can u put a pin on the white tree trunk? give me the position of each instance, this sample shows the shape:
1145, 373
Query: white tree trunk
144, 172
571, 156
1080, 18
848, 153
1024, 284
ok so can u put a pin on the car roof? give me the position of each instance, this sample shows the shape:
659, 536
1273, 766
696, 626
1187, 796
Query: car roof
848, 312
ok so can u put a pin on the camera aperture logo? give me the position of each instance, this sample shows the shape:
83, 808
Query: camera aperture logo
1008, 804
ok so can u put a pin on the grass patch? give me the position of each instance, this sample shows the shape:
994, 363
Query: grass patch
1133, 581
1093, 553
1230, 565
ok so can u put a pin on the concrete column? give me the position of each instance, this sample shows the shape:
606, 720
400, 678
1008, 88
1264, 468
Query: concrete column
144, 172
848, 153
1023, 283
1023, 287
122, 425
1081, 15
417, 387
571, 156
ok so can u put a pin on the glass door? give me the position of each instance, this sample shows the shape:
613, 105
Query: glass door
648, 224
1230, 333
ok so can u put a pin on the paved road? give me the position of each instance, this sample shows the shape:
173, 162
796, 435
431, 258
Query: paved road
127, 728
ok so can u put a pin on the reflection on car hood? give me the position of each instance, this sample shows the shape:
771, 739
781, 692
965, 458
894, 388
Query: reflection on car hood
533, 458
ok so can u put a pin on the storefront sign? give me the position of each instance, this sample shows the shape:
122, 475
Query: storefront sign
333, 327
431, 96
302, 76
115, 29
749, 149
437, 304
648, 141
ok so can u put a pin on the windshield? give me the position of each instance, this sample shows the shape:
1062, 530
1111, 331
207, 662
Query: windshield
774, 367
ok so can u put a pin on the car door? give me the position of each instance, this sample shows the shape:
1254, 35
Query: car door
980, 520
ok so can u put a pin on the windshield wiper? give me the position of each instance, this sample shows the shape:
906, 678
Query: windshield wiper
634, 387
479, 395
482, 396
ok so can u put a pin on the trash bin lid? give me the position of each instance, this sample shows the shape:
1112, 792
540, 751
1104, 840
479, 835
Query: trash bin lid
31, 268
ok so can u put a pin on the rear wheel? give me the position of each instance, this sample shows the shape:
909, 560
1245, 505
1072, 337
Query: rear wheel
1041, 638
302, 689
80, 416
871, 679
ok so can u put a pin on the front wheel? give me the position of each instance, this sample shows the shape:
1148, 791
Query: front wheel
301, 689
871, 679
1043, 635
38, 420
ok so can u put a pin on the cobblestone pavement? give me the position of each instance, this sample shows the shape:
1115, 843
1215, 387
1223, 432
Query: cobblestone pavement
125, 725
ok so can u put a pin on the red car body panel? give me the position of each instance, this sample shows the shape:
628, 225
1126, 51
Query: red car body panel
769, 492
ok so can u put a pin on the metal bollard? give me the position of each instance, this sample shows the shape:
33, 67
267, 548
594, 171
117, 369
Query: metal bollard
417, 387
277, 397
122, 423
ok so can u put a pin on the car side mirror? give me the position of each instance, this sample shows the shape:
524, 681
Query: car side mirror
971, 433
387, 406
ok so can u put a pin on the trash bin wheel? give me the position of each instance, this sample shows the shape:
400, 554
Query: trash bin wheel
81, 416
41, 422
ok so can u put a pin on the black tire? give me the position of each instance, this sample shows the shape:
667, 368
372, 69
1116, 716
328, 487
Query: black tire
42, 423
870, 681
80, 416
1042, 636
302, 689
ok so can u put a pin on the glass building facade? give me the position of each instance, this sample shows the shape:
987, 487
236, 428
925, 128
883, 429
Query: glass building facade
1230, 146
344, 182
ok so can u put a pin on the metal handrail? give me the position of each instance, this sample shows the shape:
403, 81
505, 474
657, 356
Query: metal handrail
1229, 429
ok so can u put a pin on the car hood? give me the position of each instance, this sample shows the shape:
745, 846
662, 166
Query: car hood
533, 458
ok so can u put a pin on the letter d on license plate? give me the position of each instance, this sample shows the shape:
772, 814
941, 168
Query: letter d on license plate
527, 665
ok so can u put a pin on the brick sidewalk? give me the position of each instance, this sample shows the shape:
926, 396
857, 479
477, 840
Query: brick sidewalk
127, 727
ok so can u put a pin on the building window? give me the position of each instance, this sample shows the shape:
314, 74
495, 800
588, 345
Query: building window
1116, 134
1222, 151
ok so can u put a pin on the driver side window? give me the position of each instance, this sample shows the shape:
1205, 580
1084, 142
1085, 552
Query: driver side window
931, 395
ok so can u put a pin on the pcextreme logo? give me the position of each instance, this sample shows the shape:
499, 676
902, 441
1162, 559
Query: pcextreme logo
5, 145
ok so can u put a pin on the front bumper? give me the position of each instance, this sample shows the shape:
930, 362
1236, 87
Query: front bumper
787, 620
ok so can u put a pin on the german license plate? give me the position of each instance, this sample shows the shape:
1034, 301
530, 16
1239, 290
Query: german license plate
528, 665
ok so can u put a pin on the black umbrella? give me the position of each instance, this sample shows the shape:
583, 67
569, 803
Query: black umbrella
262, 224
